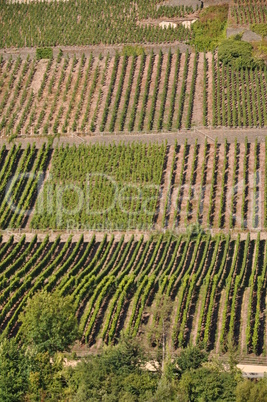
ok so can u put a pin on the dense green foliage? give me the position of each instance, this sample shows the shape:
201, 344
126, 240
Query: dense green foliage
48, 323
239, 93
209, 30
79, 23
191, 358
44, 53
237, 54
133, 50
118, 374
13, 372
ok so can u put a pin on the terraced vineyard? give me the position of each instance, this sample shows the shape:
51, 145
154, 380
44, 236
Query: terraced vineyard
102, 187
217, 185
135, 186
217, 286
246, 12
74, 23
155, 92
22, 174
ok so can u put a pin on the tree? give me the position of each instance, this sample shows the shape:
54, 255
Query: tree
207, 384
49, 323
159, 331
13, 372
191, 358
117, 374
45, 379
248, 391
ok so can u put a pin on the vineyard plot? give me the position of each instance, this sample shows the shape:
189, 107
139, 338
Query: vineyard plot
244, 12
101, 187
134, 186
146, 93
217, 186
22, 173
67, 23
116, 284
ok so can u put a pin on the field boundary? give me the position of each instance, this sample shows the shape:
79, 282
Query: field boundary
180, 135
96, 50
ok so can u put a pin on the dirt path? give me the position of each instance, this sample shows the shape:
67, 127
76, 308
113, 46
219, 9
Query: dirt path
123, 93
220, 319
243, 326
165, 187
193, 335
133, 92
261, 188
197, 116
209, 88
188, 88
180, 136
95, 50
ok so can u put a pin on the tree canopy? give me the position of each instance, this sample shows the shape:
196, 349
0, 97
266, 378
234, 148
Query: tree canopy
49, 323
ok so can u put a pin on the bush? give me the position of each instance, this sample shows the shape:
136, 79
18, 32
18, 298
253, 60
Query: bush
237, 54
133, 51
44, 53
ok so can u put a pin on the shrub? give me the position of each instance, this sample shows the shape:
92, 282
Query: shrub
237, 54
44, 53
133, 51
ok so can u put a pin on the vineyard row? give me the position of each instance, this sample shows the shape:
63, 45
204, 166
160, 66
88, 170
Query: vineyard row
66, 23
163, 92
216, 287
135, 186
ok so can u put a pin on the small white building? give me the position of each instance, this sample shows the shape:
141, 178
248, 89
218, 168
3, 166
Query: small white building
187, 24
167, 24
